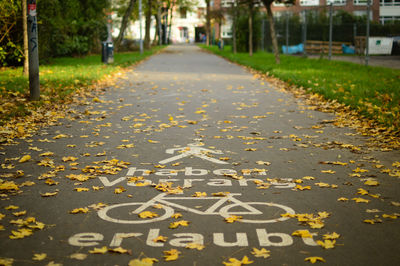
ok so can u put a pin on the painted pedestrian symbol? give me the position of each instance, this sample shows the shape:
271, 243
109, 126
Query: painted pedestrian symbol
193, 149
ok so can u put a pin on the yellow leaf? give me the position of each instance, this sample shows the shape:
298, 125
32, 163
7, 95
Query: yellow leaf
362, 191
59, 136
176, 215
78, 256
328, 171
153, 141
79, 210
11, 207
142, 262
101, 250
119, 190
220, 194
236, 262
360, 200
299, 187
81, 189
327, 244
6, 261
49, 194
160, 239
390, 216
19, 213
314, 259
321, 184
174, 225
342, 199
25, 158
233, 218
39, 257
119, 250
332, 236
69, 159
172, 254
147, 214
371, 183
302, 233
199, 194
261, 253
21, 233
195, 246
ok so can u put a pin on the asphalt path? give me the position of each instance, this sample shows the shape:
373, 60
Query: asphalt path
216, 161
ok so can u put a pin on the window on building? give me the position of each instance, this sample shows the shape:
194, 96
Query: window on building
362, 13
226, 3
389, 2
388, 19
362, 2
336, 2
183, 11
309, 2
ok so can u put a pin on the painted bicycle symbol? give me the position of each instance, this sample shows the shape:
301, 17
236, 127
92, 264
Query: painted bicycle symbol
233, 206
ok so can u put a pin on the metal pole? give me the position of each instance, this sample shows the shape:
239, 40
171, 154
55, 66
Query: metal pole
140, 27
330, 30
305, 33
33, 51
287, 31
262, 35
367, 37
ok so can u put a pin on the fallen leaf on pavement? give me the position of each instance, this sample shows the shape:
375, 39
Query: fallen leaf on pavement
174, 225
172, 254
261, 253
39, 257
235, 262
314, 259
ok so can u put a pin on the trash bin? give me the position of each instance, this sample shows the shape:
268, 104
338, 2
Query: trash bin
107, 52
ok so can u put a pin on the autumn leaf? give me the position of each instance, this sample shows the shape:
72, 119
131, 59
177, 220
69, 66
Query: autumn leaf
49, 194
176, 215
299, 187
342, 199
314, 259
69, 159
25, 158
328, 171
235, 262
119, 190
19, 213
199, 194
221, 194
233, 218
261, 253
174, 225
78, 256
101, 250
79, 210
302, 233
21, 233
263, 163
39, 257
147, 214
11, 207
153, 141
371, 183
172, 254
59, 136
119, 250
160, 239
332, 236
195, 246
142, 262
81, 189
360, 200
327, 244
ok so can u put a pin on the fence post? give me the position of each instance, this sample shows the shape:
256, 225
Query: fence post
330, 30
33, 47
287, 32
305, 33
262, 35
367, 37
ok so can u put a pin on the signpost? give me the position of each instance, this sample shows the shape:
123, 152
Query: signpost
33, 51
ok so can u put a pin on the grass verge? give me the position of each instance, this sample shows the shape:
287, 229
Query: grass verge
58, 79
374, 92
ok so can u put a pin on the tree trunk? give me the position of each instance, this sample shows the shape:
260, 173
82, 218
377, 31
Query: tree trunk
157, 31
124, 23
170, 22
147, 43
234, 27
25, 32
251, 29
208, 23
273, 34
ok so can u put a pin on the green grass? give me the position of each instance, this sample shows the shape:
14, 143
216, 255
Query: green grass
59, 78
372, 91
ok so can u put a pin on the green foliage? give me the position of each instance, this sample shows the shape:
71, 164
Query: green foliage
10, 28
372, 91
242, 31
